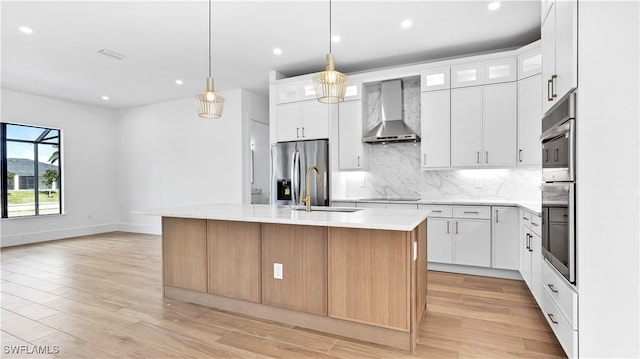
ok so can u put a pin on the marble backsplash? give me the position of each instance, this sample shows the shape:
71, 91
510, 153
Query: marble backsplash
395, 170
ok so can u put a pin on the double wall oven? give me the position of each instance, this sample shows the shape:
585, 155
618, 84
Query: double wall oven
559, 187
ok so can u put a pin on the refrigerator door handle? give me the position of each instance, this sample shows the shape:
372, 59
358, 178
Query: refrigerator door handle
295, 178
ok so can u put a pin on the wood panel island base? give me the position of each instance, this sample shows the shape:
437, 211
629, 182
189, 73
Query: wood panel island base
360, 275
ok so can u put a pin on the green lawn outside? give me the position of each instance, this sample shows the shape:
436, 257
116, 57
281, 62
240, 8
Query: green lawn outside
22, 197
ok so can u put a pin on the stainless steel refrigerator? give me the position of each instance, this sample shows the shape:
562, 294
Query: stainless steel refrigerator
289, 164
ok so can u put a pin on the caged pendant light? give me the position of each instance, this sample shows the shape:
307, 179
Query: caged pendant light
330, 85
209, 103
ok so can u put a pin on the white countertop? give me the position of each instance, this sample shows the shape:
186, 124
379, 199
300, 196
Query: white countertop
366, 218
531, 206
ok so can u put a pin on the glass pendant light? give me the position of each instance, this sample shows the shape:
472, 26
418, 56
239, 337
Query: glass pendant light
209, 103
330, 85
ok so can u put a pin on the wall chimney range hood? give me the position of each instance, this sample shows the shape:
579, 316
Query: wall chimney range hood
392, 127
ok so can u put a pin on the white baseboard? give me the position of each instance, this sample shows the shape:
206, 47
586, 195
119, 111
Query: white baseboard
487, 272
140, 228
35, 237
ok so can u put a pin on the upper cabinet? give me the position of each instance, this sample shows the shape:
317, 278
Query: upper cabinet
529, 120
303, 120
435, 129
483, 126
351, 150
466, 75
503, 70
296, 91
529, 64
559, 51
435, 79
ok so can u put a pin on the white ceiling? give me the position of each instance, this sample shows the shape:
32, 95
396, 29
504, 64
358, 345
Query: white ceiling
167, 40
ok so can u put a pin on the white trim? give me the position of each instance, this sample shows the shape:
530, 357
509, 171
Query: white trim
487, 272
140, 228
35, 237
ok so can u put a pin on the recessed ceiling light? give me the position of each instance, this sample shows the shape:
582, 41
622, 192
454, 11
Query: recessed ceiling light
26, 30
336, 38
277, 51
179, 82
494, 5
106, 98
406, 24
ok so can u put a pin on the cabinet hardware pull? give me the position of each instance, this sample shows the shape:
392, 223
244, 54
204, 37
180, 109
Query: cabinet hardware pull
456, 227
520, 155
486, 156
549, 85
297, 132
497, 217
525, 218
478, 157
358, 161
303, 132
447, 227
424, 159
529, 242
552, 318
553, 289
546, 155
436, 211
471, 212
553, 86
534, 224
557, 151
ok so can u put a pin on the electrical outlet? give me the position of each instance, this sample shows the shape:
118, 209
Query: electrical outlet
277, 270
478, 183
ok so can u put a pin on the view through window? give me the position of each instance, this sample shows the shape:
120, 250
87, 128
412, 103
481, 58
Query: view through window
31, 171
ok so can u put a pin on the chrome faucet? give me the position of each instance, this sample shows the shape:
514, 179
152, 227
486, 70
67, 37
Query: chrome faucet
307, 197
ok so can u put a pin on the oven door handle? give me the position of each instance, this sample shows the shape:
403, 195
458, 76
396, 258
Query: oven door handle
563, 187
556, 131
572, 232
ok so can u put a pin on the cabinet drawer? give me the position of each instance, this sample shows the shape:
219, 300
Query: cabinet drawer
370, 205
567, 337
342, 204
526, 218
475, 212
536, 224
437, 210
401, 205
565, 298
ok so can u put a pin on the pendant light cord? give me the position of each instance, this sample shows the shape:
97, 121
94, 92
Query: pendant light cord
209, 38
329, 26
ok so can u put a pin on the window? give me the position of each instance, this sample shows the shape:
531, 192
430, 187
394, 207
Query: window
31, 171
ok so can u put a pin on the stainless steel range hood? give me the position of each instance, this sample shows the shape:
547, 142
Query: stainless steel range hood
392, 127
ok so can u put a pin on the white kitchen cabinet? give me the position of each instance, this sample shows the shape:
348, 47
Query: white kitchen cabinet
505, 238
472, 242
351, 150
302, 120
435, 79
435, 129
530, 64
531, 255
440, 240
295, 91
503, 70
466, 127
483, 125
500, 117
466, 75
559, 51
529, 120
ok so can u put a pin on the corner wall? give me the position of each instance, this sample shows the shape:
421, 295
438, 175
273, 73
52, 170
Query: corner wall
88, 168
168, 157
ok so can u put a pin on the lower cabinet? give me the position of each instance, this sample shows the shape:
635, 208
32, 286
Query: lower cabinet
301, 252
369, 277
505, 249
233, 249
472, 242
531, 251
184, 254
439, 240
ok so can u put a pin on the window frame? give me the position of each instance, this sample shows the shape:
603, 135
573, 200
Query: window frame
42, 139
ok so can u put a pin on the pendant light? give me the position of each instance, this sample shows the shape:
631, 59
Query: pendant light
209, 103
330, 85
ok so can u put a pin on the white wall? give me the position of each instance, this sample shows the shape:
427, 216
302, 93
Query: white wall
608, 214
168, 156
88, 160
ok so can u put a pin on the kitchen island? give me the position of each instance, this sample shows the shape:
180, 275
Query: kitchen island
359, 274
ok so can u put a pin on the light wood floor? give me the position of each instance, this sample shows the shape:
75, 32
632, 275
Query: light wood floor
100, 297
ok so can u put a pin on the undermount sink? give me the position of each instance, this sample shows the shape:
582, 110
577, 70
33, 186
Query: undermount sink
328, 209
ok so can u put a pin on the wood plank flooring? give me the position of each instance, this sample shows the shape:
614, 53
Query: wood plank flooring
101, 297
